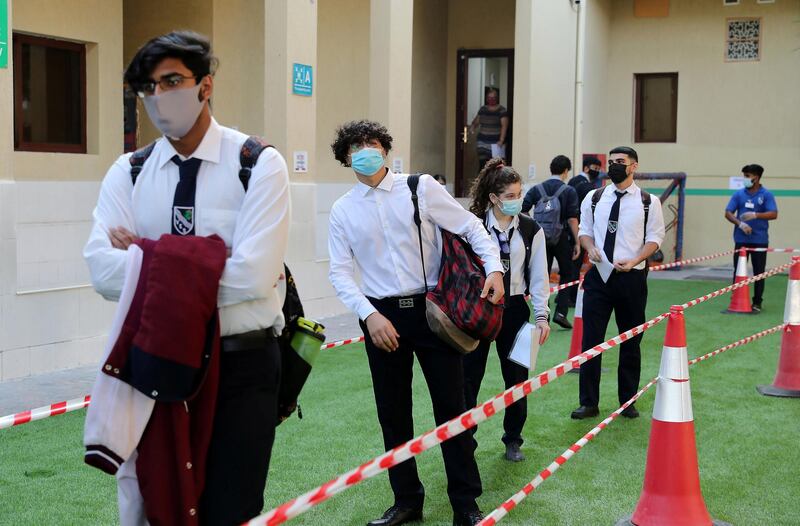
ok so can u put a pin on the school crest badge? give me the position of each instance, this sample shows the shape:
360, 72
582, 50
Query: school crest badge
183, 219
612, 226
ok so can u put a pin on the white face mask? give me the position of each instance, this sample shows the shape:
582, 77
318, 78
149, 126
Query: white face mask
174, 112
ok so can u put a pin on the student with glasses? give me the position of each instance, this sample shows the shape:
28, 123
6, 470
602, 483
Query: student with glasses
622, 226
497, 201
189, 185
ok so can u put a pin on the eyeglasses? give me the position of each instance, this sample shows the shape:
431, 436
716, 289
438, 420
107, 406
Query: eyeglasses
167, 83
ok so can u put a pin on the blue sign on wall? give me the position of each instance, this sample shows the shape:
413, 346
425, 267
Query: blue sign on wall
302, 80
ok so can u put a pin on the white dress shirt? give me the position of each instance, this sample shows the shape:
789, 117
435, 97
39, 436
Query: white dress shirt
254, 225
630, 231
537, 266
373, 229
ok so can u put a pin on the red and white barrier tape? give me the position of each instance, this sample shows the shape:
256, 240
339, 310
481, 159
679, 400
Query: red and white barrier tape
461, 423
504, 509
787, 250
739, 343
729, 288
501, 511
43, 412
657, 268
79, 403
438, 435
342, 342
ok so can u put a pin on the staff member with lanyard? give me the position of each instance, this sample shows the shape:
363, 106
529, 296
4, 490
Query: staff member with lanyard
622, 228
497, 200
750, 209
372, 228
190, 185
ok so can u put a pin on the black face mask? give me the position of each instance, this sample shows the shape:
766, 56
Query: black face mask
617, 173
592, 174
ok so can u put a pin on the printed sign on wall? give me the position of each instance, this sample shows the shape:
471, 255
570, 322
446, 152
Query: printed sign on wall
3, 33
302, 79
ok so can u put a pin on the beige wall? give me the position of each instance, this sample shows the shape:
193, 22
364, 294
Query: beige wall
103, 87
729, 114
428, 87
145, 19
475, 24
238, 33
342, 77
545, 84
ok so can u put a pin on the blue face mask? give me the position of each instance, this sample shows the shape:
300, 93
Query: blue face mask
511, 207
748, 183
367, 161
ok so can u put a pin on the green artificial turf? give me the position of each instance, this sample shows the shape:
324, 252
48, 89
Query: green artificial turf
747, 443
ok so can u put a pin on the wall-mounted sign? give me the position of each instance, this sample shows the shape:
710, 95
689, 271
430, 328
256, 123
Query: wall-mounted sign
3, 33
301, 162
397, 165
302, 79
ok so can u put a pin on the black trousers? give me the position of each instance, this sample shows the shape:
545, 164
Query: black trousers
244, 430
626, 294
562, 252
391, 381
515, 315
759, 260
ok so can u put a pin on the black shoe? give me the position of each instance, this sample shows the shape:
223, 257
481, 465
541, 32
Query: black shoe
513, 453
470, 518
562, 320
756, 308
585, 412
630, 412
396, 515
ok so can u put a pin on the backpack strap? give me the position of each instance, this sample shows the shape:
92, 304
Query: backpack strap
248, 156
596, 198
542, 192
413, 183
527, 230
138, 159
646, 200
561, 190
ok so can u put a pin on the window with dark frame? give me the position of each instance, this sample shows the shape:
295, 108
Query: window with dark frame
656, 107
49, 95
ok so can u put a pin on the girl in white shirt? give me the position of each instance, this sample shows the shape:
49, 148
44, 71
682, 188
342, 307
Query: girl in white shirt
497, 201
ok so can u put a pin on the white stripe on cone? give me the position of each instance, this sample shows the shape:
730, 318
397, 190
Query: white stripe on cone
673, 396
791, 313
741, 266
579, 302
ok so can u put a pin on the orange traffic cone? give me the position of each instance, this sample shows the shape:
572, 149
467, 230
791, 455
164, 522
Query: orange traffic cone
787, 379
671, 491
577, 329
740, 298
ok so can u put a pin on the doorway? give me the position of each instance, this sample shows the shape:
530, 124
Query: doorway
484, 111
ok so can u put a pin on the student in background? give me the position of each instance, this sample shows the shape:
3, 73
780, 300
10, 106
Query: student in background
751, 209
497, 201
556, 208
622, 225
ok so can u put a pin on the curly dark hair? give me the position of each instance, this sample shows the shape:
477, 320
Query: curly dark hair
358, 132
493, 179
193, 49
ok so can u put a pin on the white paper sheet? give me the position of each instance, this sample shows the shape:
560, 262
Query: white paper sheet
499, 151
525, 350
604, 267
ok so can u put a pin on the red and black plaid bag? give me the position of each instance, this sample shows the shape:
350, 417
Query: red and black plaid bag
455, 311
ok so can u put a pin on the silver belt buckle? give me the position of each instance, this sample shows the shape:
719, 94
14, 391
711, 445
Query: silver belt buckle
406, 303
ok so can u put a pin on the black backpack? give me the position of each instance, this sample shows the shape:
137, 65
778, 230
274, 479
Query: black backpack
547, 213
292, 306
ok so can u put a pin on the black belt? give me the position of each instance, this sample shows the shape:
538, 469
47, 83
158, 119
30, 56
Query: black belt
247, 341
401, 302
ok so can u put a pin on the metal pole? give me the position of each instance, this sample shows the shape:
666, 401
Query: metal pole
577, 155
